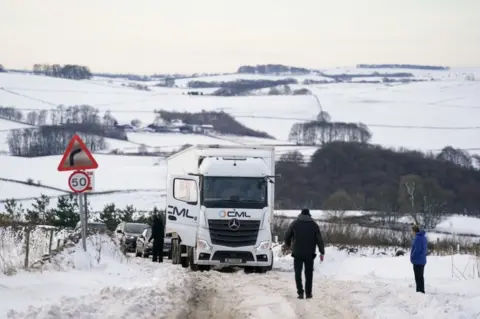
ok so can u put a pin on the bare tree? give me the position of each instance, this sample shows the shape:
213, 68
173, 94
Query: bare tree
456, 156
323, 116
136, 122
293, 157
32, 118
476, 158
424, 200
337, 204
42, 117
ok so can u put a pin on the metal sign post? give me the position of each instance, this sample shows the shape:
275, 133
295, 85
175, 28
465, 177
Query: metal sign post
83, 221
78, 158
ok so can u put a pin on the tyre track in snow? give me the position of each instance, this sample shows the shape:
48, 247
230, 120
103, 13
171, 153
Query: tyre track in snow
170, 292
210, 296
216, 295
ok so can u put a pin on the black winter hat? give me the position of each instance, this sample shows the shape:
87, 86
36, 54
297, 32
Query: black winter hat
305, 211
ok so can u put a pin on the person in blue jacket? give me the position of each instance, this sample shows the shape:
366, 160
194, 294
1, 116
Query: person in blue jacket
418, 257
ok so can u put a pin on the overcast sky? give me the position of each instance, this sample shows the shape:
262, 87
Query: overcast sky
148, 36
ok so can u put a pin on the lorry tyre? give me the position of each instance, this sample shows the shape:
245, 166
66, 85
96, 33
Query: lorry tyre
169, 255
183, 260
175, 251
191, 258
271, 265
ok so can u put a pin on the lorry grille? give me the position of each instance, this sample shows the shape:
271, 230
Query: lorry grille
221, 234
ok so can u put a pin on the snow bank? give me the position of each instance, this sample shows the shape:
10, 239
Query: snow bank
460, 225
12, 246
383, 286
98, 283
379, 263
102, 251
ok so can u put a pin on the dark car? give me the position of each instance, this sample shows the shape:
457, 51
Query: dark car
127, 233
93, 226
144, 248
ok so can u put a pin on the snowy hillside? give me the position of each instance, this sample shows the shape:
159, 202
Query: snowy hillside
399, 115
449, 101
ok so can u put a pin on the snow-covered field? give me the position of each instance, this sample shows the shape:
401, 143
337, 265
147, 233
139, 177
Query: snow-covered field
449, 101
101, 283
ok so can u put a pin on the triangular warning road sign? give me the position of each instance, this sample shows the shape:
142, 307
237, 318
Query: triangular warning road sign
77, 156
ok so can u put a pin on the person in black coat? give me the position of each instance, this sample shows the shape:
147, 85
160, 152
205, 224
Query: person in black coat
305, 235
158, 235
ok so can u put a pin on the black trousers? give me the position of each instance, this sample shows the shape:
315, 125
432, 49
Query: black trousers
157, 249
418, 270
298, 264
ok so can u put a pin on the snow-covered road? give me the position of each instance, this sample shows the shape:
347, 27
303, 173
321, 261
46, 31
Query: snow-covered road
83, 286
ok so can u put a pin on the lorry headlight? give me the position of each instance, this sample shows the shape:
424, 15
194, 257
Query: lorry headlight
264, 245
202, 244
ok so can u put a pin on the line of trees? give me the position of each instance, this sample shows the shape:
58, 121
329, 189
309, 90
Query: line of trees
48, 140
67, 71
61, 115
271, 68
241, 86
221, 121
356, 176
56, 128
403, 66
322, 131
11, 114
65, 213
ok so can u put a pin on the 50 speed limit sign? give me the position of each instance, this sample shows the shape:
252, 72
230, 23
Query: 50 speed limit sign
79, 181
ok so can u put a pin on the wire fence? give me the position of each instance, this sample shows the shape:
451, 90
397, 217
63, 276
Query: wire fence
20, 246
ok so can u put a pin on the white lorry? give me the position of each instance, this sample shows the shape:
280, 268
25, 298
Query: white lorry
220, 206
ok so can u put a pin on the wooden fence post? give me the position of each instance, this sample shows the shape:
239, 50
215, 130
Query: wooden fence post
27, 245
58, 243
50, 242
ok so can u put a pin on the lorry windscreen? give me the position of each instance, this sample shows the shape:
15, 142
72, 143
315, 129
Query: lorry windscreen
234, 192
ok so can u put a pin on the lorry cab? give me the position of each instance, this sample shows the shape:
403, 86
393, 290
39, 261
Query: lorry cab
220, 207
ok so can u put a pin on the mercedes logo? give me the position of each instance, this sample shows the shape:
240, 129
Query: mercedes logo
234, 224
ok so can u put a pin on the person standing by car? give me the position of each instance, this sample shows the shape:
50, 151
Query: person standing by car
305, 234
418, 257
158, 234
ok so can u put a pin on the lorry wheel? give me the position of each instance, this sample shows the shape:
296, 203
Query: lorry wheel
175, 252
191, 259
169, 255
183, 260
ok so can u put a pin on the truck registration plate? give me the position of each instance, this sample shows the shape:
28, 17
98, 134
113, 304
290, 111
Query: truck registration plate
233, 260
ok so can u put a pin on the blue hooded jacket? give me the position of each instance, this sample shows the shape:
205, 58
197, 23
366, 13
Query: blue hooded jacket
418, 253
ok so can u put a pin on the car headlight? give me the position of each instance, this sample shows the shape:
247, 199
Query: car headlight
202, 244
264, 245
